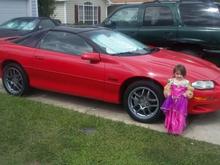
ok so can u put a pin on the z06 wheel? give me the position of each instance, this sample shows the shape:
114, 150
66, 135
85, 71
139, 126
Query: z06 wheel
14, 79
142, 100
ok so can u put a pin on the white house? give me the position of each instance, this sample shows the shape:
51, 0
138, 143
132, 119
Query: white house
87, 11
81, 11
17, 8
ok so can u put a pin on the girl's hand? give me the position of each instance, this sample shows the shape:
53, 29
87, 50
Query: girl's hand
168, 94
167, 91
189, 91
188, 94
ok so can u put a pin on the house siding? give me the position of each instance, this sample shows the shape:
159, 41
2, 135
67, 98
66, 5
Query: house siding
71, 8
17, 8
59, 11
11, 9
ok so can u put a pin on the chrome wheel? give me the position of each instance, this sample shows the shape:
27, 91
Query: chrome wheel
13, 80
143, 103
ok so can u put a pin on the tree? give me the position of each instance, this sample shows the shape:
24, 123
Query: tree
46, 7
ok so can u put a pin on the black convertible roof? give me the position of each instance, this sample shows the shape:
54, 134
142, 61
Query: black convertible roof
77, 28
30, 18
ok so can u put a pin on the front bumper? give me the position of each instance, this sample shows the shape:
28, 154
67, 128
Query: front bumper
205, 101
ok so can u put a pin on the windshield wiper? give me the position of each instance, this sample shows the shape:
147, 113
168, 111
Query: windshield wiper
130, 53
126, 53
154, 49
139, 51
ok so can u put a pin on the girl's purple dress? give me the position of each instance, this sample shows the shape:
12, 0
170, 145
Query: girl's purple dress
175, 107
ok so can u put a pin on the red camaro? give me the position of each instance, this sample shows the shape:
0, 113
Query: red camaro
106, 65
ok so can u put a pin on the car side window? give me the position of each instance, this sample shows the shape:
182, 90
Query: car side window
65, 42
200, 15
46, 24
158, 16
32, 40
125, 17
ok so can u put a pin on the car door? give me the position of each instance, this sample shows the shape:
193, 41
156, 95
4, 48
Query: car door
125, 20
58, 66
159, 26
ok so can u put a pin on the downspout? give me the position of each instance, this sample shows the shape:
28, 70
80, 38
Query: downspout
65, 12
37, 12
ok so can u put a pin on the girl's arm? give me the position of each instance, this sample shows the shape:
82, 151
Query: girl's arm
189, 92
167, 90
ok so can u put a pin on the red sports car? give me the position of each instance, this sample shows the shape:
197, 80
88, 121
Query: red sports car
106, 65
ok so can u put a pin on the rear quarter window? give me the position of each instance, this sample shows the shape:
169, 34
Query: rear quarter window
200, 14
30, 40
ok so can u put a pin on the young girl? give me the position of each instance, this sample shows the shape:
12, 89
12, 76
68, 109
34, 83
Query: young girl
177, 92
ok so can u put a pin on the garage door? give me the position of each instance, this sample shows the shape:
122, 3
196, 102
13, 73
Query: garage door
12, 8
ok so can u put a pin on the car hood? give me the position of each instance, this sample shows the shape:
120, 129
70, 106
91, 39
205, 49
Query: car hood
10, 33
163, 62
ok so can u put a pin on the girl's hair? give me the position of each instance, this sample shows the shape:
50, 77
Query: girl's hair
180, 68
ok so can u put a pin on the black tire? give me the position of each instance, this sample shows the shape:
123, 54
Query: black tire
15, 80
148, 97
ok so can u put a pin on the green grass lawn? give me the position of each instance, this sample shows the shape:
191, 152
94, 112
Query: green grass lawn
33, 133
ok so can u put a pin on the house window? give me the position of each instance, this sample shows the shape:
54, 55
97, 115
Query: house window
87, 13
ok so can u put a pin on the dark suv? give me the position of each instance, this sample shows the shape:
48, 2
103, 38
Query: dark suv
180, 25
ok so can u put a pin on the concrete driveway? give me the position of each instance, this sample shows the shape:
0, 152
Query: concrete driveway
201, 127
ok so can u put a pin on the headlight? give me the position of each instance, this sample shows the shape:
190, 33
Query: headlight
203, 84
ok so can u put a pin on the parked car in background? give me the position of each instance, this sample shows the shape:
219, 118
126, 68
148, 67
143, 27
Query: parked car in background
191, 26
106, 65
24, 25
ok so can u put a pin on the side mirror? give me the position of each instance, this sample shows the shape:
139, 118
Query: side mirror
92, 57
109, 23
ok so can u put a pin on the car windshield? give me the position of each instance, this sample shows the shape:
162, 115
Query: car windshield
20, 24
116, 43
